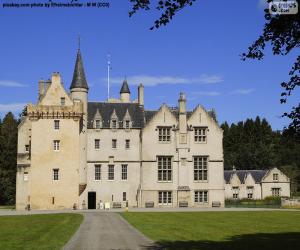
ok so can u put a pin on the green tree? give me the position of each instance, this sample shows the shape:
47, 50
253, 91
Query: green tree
8, 159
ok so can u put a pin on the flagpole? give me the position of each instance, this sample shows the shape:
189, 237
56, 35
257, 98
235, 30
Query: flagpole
108, 71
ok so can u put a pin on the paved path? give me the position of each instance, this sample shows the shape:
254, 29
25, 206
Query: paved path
107, 231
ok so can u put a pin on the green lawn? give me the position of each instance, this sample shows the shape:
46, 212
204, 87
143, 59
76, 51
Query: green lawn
49, 231
220, 230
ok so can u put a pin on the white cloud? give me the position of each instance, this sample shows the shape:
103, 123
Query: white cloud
242, 91
157, 80
13, 107
12, 84
206, 93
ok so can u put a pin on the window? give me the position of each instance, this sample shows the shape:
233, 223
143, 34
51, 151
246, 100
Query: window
97, 124
62, 101
114, 124
127, 124
164, 168
97, 172
201, 196
97, 144
124, 196
200, 168
124, 172
25, 177
55, 174
275, 177
235, 192
114, 143
27, 148
164, 197
53, 200
250, 192
127, 144
111, 172
56, 124
276, 191
200, 134
164, 134
56, 144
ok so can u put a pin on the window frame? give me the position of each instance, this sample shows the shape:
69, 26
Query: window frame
164, 134
200, 168
124, 172
165, 198
56, 125
55, 174
200, 134
56, 145
62, 101
235, 192
25, 176
275, 177
97, 172
164, 168
275, 194
97, 124
114, 123
111, 172
114, 143
127, 144
201, 196
97, 144
124, 196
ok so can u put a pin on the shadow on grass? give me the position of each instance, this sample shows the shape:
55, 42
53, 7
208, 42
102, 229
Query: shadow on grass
264, 241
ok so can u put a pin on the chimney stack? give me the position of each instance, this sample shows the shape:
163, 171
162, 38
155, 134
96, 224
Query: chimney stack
48, 83
141, 94
41, 89
182, 114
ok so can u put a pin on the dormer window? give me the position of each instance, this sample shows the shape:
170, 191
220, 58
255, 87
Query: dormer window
275, 177
127, 124
114, 124
62, 101
97, 124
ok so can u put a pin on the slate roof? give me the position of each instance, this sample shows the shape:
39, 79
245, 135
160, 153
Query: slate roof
125, 87
79, 80
256, 174
106, 109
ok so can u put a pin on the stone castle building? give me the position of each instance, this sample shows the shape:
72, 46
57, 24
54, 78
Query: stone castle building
75, 153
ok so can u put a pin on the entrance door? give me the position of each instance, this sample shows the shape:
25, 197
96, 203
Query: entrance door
91, 200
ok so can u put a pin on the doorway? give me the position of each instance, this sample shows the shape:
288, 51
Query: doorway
91, 200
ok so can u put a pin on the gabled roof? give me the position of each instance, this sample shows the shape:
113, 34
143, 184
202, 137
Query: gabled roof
256, 174
106, 110
125, 87
79, 80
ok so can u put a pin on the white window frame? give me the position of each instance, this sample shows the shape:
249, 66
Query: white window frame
114, 124
127, 124
200, 168
276, 191
164, 134
56, 124
124, 196
56, 145
250, 192
97, 172
200, 134
165, 197
275, 177
235, 192
111, 172
55, 174
124, 172
164, 168
201, 196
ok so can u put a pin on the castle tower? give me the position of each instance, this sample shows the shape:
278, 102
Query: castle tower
125, 92
79, 93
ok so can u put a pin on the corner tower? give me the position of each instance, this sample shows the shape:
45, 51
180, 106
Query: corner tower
125, 92
79, 93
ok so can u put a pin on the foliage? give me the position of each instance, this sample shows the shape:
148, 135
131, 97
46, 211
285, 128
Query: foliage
220, 230
8, 159
168, 8
282, 32
51, 231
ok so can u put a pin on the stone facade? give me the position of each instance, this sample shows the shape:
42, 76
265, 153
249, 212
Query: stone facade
75, 153
256, 184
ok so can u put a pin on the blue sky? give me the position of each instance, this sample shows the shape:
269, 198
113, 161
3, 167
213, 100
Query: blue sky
197, 53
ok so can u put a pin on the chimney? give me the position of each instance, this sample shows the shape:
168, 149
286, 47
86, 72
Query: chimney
141, 94
41, 89
182, 114
48, 83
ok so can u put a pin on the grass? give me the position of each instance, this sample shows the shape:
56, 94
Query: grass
47, 231
220, 230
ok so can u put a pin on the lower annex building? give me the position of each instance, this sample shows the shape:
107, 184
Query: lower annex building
76, 153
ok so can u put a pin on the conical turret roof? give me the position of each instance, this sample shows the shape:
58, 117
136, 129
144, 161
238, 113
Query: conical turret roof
79, 80
125, 87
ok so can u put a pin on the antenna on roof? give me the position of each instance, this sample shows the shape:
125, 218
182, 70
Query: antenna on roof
108, 71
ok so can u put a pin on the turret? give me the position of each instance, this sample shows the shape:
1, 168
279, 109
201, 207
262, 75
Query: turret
141, 95
125, 92
79, 93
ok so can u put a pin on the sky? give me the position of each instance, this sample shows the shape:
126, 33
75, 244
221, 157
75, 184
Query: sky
198, 53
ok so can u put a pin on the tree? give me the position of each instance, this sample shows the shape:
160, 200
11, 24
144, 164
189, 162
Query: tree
8, 159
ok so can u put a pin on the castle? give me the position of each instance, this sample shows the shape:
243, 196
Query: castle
77, 154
